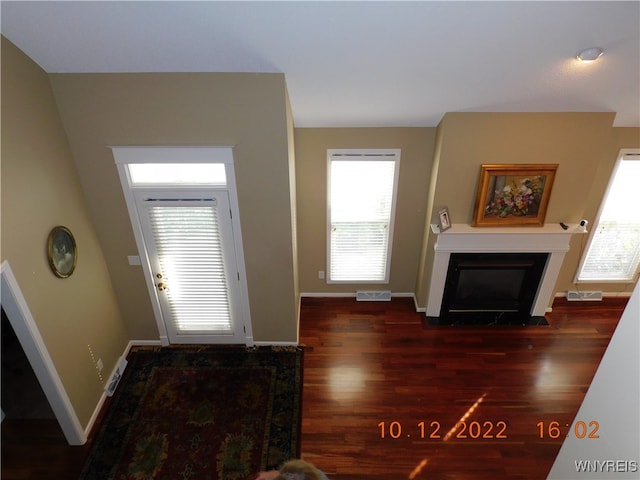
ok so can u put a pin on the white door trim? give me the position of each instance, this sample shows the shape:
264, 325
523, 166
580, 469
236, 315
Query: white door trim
195, 154
24, 325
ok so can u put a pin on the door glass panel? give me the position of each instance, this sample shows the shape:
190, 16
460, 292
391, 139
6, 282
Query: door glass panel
192, 275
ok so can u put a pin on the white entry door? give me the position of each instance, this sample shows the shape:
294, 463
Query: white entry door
189, 242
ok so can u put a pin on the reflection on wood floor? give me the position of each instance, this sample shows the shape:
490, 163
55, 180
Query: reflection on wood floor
383, 393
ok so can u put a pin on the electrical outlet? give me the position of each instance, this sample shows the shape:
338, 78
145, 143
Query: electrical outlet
321, 274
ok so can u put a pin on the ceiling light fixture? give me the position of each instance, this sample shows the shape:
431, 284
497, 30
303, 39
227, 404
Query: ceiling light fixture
590, 54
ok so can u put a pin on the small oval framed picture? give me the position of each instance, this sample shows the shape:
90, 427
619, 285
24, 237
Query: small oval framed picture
61, 251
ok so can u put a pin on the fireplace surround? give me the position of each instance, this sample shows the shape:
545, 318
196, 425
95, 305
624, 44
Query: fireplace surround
550, 240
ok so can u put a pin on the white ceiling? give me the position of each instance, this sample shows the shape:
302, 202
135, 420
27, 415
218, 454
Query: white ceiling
360, 63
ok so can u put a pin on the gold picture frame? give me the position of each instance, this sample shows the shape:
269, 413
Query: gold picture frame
62, 252
513, 195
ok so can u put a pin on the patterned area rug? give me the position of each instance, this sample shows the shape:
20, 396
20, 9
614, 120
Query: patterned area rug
201, 413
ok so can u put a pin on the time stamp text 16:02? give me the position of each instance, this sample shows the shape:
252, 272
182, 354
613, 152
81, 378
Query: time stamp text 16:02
487, 430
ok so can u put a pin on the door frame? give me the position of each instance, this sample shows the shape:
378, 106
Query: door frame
146, 154
26, 330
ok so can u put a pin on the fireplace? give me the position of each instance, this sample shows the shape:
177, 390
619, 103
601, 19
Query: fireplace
491, 288
551, 240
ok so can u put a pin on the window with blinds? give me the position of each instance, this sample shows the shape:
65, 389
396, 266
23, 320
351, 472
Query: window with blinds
361, 207
190, 254
613, 252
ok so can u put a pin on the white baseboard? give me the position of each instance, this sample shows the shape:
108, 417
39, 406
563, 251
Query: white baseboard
96, 411
94, 416
604, 294
417, 307
275, 344
403, 294
328, 294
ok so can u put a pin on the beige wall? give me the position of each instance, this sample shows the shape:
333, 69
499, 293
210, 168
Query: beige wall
311, 146
246, 111
41, 189
585, 145
602, 171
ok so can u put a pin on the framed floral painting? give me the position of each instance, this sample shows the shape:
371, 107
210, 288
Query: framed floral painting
513, 194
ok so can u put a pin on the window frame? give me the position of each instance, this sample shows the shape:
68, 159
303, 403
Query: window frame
634, 153
364, 155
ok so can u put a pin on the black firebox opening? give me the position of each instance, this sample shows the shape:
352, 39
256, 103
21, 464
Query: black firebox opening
487, 288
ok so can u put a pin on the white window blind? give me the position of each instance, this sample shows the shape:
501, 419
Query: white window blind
362, 190
613, 253
190, 254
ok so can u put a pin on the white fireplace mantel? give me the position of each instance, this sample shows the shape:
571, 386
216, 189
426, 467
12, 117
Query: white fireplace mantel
462, 238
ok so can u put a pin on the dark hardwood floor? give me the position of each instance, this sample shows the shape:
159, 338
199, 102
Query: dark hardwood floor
379, 384
374, 367
35, 449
